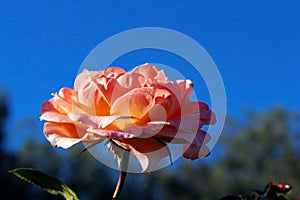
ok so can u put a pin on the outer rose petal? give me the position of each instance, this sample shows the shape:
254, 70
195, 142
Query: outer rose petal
66, 135
148, 151
50, 114
149, 161
62, 134
198, 148
61, 104
168, 132
58, 106
67, 94
201, 111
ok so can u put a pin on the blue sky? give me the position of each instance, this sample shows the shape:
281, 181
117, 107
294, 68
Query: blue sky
255, 45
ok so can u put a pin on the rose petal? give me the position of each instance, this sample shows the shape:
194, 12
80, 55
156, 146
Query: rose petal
66, 94
199, 110
48, 113
85, 74
187, 126
131, 81
124, 84
161, 77
186, 88
161, 129
147, 70
149, 161
91, 96
148, 151
151, 74
198, 148
62, 134
170, 132
93, 121
108, 90
60, 104
66, 135
179, 92
113, 72
135, 103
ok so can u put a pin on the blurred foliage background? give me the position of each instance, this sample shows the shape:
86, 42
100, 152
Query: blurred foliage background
263, 147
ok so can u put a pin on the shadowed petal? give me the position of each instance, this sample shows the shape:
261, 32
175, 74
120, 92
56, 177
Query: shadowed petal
198, 148
148, 151
171, 132
201, 111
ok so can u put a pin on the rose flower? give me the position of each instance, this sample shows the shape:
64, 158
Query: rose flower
141, 111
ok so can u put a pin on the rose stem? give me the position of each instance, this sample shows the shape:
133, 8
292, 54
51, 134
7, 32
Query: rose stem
122, 176
120, 185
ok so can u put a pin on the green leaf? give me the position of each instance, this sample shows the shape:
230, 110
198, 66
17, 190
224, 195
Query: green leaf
49, 183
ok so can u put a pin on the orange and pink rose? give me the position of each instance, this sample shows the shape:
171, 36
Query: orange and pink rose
141, 111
